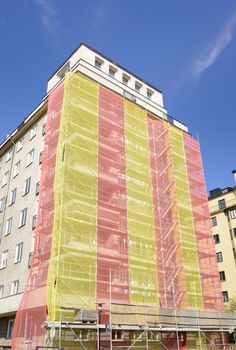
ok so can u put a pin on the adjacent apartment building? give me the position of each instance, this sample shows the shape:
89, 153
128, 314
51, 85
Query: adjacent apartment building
222, 204
106, 238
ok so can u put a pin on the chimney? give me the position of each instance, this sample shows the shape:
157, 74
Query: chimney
234, 174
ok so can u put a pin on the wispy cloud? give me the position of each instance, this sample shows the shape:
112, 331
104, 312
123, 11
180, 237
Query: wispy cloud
48, 16
215, 48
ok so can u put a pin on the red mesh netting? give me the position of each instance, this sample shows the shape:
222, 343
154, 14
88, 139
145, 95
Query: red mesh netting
28, 331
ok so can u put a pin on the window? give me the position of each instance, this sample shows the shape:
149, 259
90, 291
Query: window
30, 157
234, 253
19, 251
233, 214
98, 63
149, 94
33, 132
1, 290
12, 196
4, 259
112, 71
221, 204
23, 216
6, 177
37, 188
125, 79
137, 86
214, 221
216, 239
222, 276
234, 231
9, 154
30, 259
14, 287
44, 129
19, 145
0, 162
10, 326
225, 296
2, 204
8, 229
34, 221
219, 257
26, 188
40, 157
16, 169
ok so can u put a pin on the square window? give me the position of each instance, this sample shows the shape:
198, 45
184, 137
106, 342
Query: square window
14, 287
137, 86
19, 252
221, 204
4, 259
112, 71
23, 217
26, 188
30, 157
222, 276
214, 221
10, 326
149, 94
225, 296
98, 63
125, 79
216, 239
233, 214
16, 169
12, 196
219, 257
8, 228
33, 132
19, 145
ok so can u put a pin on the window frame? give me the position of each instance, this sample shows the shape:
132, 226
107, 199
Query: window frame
10, 326
213, 221
217, 241
4, 259
23, 217
19, 252
219, 254
14, 287
30, 157
9, 226
12, 198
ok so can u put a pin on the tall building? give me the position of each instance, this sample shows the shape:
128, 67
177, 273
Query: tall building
122, 253
222, 204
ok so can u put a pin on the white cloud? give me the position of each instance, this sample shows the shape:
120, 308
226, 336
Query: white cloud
48, 16
215, 48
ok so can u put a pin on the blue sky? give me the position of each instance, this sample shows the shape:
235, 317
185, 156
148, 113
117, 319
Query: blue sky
186, 48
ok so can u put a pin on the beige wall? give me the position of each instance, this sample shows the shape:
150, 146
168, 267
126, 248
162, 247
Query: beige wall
226, 245
19, 271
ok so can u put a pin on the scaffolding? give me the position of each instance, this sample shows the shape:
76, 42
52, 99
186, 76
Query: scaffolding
124, 255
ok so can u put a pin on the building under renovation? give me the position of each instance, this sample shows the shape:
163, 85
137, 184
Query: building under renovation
123, 256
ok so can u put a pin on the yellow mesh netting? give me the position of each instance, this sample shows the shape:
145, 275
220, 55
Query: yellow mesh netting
186, 225
142, 253
72, 272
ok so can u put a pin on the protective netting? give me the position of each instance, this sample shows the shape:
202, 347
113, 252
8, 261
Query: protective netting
32, 313
142, 252
123, 218
112, 236
211, 289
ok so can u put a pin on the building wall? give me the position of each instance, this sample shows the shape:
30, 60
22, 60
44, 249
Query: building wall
86, 266
225, 226
18, 271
